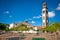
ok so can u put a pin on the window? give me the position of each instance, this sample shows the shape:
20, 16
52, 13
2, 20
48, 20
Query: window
43, 11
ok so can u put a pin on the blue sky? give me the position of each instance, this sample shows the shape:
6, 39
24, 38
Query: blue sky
20, 10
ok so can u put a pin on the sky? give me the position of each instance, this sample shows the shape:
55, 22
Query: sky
31, 10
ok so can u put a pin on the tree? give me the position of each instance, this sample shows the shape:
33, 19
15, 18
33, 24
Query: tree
20, 27
53, 27
3, 26
57, 25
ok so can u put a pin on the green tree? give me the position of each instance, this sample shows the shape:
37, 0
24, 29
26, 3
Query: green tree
20, 27
53, 27
3, 26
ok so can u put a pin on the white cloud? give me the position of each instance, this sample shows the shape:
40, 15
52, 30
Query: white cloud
51, 14
10, 16
39, 16
58, 8
32, 22
6, 12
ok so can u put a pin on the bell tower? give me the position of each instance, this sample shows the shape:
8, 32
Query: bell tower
44, 15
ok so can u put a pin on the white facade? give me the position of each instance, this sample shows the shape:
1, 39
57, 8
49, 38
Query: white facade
12, 25
35, 28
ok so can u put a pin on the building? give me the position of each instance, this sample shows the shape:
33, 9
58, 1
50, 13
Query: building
37, 27
12, 25
44, 15
26, 23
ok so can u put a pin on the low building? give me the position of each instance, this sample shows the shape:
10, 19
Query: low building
12, 25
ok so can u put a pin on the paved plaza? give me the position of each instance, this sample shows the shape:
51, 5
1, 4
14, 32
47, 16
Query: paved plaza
28, 36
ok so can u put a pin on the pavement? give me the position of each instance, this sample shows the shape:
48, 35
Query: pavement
29, 36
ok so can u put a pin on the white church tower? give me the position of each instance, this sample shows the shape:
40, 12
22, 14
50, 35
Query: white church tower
44, 15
